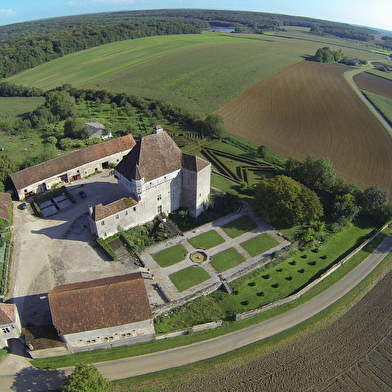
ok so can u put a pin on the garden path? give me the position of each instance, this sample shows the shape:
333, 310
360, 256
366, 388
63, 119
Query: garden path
161, 275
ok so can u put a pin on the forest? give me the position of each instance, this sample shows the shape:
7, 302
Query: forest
26, 45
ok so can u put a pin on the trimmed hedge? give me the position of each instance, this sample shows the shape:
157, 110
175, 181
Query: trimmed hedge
106, 248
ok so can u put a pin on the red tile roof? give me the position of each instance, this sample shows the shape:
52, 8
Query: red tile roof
5, 204
31, 175
101, 303
7, 314
102, 211
155, 156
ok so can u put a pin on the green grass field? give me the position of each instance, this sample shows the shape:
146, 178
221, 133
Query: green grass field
259, 244
170, 256
238, 227
383, 104
206, 240
12, 108
190, 71
227, 259
188, 277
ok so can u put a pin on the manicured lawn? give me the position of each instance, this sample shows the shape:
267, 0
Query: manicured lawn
238, 227
188, 277
206, 240
170, 255
227, 259
259, 244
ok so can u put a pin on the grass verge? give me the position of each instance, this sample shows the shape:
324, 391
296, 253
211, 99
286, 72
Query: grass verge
188, 277
227, 259
259, 244
239, 226
170, 256
227, 327
206, 240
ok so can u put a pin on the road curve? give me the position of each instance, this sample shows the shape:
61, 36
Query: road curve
349, 79
130, 367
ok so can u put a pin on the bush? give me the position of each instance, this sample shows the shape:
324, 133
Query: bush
106, 248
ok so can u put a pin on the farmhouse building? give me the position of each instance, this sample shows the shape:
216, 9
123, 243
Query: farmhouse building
70, 167
102, 313
160, 179
10, 327
95, 129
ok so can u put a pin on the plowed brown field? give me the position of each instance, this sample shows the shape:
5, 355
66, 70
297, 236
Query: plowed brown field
309, 108
374, 84
352, 354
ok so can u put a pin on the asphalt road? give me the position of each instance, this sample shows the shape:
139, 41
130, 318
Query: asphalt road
349, 78
130, 367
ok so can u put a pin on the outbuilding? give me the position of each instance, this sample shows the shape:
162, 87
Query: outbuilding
102, 313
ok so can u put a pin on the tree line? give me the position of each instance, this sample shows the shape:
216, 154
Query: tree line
294, 197
20, 53
29, 44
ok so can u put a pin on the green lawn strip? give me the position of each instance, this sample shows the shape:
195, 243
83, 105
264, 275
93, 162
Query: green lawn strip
184, 374
170, 256
259, 244
239, 226
228, 326
227, 259
188, 277
206, 240
382, 104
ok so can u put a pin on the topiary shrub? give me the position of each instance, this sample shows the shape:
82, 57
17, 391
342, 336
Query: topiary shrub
301, 271
267, 276
275, 285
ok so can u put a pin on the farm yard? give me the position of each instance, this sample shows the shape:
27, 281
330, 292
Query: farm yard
308, 108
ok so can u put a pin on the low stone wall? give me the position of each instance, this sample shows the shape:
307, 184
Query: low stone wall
293, 297
171, 305
195, 328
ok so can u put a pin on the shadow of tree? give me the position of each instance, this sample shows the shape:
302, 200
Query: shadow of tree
34, 380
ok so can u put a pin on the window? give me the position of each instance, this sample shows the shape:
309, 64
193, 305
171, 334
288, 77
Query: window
134, 208
126, 212
159, 209
159, 197
103, 223
117, 216
6, 330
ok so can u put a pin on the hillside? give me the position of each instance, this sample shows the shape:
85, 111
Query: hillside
189, 71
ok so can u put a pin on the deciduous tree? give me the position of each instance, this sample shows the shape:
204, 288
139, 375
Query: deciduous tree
286, 201
85, 378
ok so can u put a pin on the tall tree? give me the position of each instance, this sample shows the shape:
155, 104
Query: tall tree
286, 201
85, 378
61, 104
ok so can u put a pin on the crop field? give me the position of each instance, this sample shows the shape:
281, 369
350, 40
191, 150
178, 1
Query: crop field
199, 73
308, 108
352, 354
374, 84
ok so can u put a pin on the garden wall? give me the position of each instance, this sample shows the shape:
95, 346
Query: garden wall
250, 313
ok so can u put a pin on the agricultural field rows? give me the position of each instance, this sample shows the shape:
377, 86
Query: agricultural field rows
308, 108
199, 73
352, 354
374, 84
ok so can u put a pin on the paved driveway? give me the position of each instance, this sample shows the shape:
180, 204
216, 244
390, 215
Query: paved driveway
59, 249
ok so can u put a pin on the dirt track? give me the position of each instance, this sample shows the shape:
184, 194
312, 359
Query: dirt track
352, 354
309, 108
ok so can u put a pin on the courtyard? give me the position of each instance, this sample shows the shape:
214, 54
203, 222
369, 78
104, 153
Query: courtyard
59, 249
229, 252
